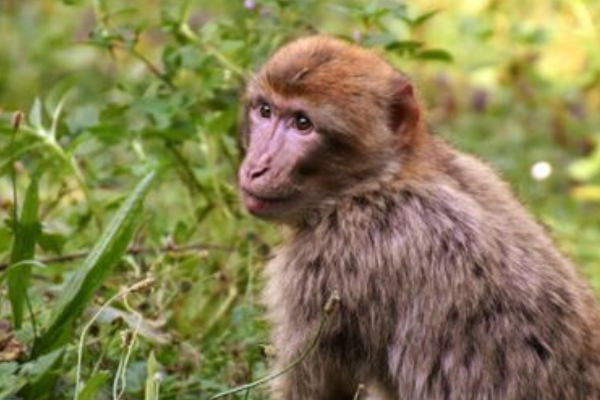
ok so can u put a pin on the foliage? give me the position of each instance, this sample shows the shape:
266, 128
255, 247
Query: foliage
115, 90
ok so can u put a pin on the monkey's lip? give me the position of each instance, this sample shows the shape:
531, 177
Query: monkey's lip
261, 204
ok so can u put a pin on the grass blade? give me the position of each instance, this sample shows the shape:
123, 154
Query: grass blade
84, 283
26, 233
152, 378
93, 385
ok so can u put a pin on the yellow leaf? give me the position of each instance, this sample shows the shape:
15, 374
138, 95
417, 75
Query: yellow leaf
586, 192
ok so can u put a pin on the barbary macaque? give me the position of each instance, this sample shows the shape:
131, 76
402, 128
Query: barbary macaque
448, 288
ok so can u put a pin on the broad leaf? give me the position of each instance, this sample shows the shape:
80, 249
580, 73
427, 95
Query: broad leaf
84, 283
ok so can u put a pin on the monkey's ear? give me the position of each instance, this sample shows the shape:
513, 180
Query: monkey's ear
404, 112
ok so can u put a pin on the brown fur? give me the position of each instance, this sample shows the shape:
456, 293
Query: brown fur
449, 288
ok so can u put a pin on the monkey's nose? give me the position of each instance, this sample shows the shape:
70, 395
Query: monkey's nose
257, 172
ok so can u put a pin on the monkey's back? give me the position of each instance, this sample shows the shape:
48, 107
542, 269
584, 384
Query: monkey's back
449, 283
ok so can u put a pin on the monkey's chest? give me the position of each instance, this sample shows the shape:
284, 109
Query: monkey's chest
359, 260
363, 316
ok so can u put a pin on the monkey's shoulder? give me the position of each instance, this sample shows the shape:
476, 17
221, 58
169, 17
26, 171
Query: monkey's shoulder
393, 227
429, 208
433, 231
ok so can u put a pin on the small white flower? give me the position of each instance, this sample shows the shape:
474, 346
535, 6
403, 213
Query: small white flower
541, 170
159, 376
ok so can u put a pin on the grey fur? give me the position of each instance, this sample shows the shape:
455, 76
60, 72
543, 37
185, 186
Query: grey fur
449, 290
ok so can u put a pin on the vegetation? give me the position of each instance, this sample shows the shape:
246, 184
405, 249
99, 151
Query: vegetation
128, 268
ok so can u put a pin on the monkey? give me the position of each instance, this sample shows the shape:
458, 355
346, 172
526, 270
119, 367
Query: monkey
449, 289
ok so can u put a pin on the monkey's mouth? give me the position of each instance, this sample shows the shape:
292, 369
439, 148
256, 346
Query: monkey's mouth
260, 205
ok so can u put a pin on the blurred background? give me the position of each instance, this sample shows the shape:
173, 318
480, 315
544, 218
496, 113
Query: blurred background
113, 89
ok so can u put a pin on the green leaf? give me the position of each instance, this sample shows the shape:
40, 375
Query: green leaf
421, 19
404, 46
160, 110
20, 149
435, 54
586, 193
35, 370
93, 385
6, 236
379, 39
27, 231
35, 115
10, 381
38, 375
22, 144
586, 169
84, 283
152, 382
399, 10
72, 2
52, 241
83, 117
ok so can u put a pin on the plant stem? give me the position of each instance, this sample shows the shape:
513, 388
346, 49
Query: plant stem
189, 34
151, 67
186, 172
132, 251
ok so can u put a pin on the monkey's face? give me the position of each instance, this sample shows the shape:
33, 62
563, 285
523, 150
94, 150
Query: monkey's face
298, 156
322, 118
280, 140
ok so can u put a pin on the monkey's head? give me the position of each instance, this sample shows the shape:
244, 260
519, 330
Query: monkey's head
323, 118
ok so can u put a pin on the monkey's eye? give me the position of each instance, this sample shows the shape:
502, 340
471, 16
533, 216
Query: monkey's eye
265, 110
302, 123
